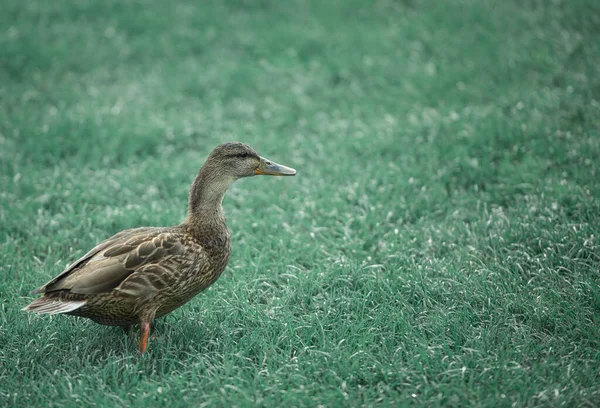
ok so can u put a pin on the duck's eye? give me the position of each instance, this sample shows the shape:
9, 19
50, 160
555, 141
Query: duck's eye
239, 155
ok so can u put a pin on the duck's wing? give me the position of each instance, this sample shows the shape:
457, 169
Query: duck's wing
152, 251
87, 257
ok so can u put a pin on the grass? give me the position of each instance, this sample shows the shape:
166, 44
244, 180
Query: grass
439, 245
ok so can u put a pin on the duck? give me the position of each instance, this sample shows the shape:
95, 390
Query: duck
144, 273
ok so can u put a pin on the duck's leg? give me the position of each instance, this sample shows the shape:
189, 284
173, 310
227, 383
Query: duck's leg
126, 329
144, 331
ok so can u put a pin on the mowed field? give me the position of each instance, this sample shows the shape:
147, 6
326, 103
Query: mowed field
439, 246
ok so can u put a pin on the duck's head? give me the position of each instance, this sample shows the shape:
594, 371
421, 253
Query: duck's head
236, 160
227, 163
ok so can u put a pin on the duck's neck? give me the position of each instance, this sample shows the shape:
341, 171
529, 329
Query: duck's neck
206, 196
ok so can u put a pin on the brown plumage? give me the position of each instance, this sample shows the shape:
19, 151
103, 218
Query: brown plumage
143, 273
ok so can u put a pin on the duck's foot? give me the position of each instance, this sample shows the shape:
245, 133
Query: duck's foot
144, 331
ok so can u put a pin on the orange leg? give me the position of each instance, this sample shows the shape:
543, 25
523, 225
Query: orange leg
144, 331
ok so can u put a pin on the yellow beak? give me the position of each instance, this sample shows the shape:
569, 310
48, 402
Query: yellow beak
269, 168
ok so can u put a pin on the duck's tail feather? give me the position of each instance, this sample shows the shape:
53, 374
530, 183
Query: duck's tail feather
45, 305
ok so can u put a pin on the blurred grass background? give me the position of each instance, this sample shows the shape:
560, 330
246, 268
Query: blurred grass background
439, 246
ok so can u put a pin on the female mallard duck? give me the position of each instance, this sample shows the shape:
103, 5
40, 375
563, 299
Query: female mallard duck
144, 273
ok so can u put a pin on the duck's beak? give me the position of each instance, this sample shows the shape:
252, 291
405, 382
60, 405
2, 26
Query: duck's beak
270, 168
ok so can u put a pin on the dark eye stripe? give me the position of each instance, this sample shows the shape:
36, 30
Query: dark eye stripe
241, 155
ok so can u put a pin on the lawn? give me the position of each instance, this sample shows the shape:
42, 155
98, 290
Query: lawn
439, 246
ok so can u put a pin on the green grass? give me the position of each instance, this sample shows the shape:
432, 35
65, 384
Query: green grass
440, 244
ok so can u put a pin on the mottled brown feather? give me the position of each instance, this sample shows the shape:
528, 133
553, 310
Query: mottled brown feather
164, 267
